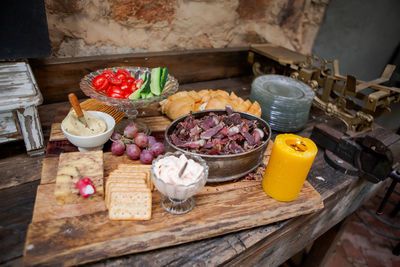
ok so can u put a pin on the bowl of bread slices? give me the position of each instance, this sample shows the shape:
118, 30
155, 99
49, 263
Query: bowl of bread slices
184, 102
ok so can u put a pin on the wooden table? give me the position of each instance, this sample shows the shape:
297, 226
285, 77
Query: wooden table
268, 245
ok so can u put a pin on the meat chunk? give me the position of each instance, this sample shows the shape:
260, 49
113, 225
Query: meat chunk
218, 134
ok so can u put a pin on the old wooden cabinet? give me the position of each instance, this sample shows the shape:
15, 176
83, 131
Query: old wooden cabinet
19, 98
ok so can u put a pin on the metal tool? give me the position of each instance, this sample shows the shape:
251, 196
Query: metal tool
353, 101
77, 107
372, 155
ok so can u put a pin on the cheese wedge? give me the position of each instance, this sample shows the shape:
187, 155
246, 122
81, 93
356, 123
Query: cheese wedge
73, 166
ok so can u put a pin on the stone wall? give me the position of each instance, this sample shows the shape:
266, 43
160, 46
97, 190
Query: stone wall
99, 27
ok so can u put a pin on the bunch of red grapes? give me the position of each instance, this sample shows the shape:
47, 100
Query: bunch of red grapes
137, 145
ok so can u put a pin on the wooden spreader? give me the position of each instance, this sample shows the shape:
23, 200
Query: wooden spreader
79, 233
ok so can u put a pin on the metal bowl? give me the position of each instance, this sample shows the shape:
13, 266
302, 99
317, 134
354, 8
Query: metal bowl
224, 168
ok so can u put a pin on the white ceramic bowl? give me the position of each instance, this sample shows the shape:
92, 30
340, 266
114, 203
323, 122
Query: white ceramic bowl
94, 142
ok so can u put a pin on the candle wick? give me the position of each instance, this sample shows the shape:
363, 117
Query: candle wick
299, 146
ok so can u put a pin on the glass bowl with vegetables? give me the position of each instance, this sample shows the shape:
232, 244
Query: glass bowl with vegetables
129, 88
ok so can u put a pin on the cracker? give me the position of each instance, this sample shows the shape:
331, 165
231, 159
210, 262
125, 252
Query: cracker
113, 187
133, 166
138, 167
130, 175
127, 179
126, 182
137, 177
134, 175
130, 205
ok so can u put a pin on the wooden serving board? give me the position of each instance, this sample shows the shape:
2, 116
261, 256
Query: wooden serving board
79, 233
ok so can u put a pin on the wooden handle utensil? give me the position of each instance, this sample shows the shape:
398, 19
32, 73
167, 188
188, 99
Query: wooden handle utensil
77, 107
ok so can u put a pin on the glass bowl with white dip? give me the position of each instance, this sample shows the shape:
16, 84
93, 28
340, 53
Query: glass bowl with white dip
179, 176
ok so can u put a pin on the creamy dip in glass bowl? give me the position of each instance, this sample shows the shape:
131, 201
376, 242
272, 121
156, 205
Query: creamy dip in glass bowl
178, 191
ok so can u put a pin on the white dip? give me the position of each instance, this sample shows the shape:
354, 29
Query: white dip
167, 169
74, 126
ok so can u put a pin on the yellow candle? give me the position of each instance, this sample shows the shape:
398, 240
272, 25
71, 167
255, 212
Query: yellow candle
290, 161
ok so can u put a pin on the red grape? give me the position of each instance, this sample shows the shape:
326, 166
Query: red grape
152, 140
118, 148
130, 131
115, 136
133, 151
157, 149
141, 140
146, 157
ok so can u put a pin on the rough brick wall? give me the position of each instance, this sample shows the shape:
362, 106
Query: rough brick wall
95, 27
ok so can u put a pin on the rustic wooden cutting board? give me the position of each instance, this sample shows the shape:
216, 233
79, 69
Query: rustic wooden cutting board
79, 233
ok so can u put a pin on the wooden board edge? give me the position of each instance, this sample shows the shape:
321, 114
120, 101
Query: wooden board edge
76, 255
47, 164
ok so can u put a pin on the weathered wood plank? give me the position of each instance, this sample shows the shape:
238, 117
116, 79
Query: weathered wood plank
18, 88
209, 252
281, 245
9, 130
19, 169
186, 66
324, 247
31, 129
51, 210
16, 206
278, 53
240, 85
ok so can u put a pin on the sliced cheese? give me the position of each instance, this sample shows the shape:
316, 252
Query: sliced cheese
73, 166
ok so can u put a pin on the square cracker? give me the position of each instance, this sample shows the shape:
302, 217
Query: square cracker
137, 167
130, 173
127, 178
122, 187
130, 205
133, 173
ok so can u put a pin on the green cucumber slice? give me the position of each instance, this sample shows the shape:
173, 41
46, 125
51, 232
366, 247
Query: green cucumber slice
146, 83
143, 88
136, 94
164, 77
155, 81
149, 95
